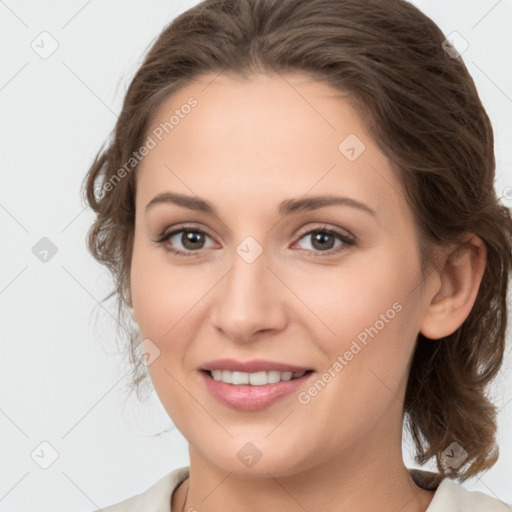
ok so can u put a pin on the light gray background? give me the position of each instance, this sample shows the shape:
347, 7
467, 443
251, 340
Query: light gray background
58, 384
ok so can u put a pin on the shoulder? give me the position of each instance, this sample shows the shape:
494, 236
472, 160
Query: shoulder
452, 497
157, 498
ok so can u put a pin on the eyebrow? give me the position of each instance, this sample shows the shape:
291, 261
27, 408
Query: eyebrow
286, 207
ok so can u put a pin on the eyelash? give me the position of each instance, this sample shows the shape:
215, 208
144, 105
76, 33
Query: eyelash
347, 240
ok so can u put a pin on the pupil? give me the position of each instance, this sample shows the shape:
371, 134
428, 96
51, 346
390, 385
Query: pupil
319, 237
191, 238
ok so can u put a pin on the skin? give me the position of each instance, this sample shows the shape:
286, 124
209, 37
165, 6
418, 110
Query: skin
247, 146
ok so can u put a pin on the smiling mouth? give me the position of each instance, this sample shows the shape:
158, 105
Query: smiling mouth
253, 391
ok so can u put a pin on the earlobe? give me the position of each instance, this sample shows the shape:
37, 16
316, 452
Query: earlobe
455, 293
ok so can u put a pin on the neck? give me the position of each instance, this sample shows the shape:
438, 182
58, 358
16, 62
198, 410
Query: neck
338, 485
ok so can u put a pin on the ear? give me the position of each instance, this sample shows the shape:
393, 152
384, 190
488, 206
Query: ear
454, 289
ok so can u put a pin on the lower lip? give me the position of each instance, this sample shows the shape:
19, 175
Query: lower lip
251, 398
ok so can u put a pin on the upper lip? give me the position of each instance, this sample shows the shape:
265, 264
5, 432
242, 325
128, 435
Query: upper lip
256, 365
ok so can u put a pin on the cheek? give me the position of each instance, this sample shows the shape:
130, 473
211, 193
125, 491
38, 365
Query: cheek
163, 300
370, 319
355, 300
162, 293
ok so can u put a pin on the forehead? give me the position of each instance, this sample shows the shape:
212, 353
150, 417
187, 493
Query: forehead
273, 111
273, 135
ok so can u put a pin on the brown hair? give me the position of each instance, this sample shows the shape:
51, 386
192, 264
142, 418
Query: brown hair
422, 109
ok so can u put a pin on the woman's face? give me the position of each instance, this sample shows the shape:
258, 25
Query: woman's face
261, 280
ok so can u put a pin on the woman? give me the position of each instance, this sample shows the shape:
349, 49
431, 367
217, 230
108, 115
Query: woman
298, 210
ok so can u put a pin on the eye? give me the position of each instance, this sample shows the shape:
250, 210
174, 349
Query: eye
191, 239
323, 240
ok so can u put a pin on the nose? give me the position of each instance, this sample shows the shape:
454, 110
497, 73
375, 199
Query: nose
249, 301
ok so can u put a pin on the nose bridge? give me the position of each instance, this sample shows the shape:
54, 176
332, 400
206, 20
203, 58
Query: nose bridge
249, 299
246, 285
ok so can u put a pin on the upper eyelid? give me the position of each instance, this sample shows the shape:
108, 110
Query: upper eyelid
339, 231
186, 227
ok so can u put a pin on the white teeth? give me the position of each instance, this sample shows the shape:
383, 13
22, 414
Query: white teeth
239, 378
254, 379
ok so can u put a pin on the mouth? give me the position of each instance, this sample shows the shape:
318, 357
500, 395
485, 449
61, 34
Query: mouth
253, 391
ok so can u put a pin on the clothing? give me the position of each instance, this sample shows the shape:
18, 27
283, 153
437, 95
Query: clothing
449, 496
